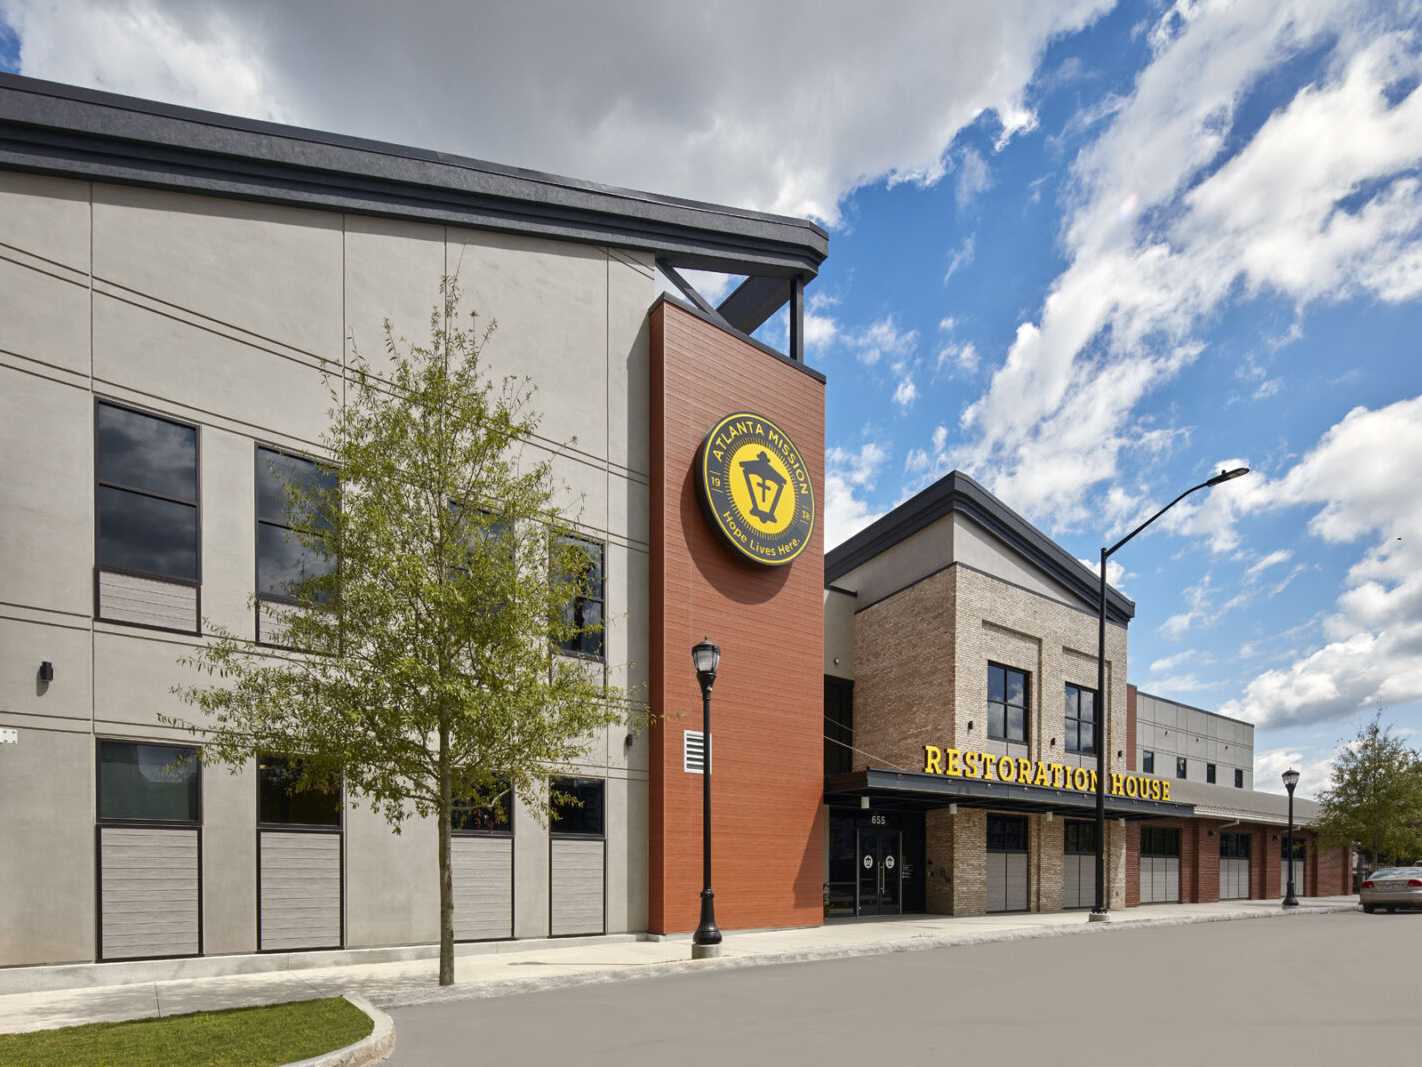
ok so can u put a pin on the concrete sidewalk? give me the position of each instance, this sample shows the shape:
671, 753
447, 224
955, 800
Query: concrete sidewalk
517, 967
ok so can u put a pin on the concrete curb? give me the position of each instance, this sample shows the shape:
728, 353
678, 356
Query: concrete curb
511, 987
373, 1048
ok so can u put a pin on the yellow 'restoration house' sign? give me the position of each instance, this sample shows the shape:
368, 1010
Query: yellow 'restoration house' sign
952, 763
755, 489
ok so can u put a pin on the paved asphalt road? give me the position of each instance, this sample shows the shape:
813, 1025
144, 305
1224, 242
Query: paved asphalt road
1324, 989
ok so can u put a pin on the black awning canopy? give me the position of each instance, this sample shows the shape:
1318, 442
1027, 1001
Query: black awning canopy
909, 791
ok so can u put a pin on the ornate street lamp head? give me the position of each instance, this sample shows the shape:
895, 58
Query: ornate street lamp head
706, 657
1291, 779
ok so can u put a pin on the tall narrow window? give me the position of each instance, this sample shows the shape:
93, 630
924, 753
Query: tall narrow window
1080, 720
1148, 761
1008, 703
283, 560
1180, 767
583, 613
147, 495
1238, 778
1210, 773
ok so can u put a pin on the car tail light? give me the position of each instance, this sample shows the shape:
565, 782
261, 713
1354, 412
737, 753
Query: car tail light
1414, 882
1368, 884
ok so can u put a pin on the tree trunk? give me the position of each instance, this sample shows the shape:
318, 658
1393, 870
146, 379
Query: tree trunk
446, 876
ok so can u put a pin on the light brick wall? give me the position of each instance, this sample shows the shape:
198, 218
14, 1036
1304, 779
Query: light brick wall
921, 663
1044, 863
938, 859
969, 862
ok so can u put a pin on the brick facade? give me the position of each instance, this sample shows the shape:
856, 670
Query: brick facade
921, 672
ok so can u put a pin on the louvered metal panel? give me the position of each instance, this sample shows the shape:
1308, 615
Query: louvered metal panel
149, 893
147, 601
299, 890
483, 887
576, 880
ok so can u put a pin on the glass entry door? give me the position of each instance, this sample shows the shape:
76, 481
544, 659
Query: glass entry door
880, 872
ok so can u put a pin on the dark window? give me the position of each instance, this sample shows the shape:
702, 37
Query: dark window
1080, 839
1008, 703
1180, 766
490, 818
151, 783
147, 494
585, 814
839, 725
1238, 778
1080, 719
1234, 846
1157, 841
1148, 761
280, 804
1300, 848
282, 558
1007, 833
1210, 773
583, 612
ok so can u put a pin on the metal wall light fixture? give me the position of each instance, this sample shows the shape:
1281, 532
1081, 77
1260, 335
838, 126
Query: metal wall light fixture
46, 671
706, 942
1099, 912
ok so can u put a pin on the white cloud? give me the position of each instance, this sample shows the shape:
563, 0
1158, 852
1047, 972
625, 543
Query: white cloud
1180, 659
973, 178
959, 357
848, 475
961, 257
1273, 559
906, 392
883, 338
653, 97
1115, 572
1314, 767
1204, 229
1365, 479
198, 55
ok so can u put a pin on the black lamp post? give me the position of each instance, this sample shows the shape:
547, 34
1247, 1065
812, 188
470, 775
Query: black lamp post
706, 941
1291, 779
1099, 912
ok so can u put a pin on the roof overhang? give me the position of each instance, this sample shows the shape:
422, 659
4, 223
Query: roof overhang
910, 791
88, 135
956, 492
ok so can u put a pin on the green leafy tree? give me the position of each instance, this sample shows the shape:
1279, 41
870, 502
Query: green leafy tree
1375, 801
422, 658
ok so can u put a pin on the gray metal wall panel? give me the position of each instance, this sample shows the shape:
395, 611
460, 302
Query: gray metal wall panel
299, 890
1080, 889
483, 887
1006, 881
126, 598
1234, 878
1016, 881
149, 891
576, 880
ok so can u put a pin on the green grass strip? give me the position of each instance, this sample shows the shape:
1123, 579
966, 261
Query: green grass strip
237, 1037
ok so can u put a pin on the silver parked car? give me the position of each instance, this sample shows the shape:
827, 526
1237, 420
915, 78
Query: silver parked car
1390, 888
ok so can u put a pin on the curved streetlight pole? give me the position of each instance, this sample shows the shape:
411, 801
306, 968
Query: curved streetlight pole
1099, 912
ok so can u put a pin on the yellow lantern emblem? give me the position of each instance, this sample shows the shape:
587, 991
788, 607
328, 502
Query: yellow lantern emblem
755, 489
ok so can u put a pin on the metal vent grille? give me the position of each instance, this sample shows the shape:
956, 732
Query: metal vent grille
693, 751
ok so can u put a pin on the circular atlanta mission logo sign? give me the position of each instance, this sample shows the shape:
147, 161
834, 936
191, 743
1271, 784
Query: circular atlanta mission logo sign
755, 489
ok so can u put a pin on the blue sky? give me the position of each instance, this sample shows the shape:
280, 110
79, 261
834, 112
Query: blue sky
1086, 253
